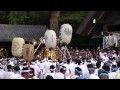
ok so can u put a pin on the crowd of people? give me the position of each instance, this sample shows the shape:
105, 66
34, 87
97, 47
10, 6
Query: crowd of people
83, 64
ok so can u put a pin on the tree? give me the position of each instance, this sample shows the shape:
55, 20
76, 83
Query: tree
4, 17
18, 17
39, 17
72, 17
54, 21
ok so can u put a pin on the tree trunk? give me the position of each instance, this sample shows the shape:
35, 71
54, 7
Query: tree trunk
54, 21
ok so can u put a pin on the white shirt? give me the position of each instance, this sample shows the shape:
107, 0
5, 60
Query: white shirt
17, 76
51, 74
2, 74
114, 75
9, 75
11, 63
68, 71
105, 58
59, 75
21, 67
34, 77
101, 54
47, 67
96, 71
72, 66
36, 70
93, 76
54, 63
114, 55
102, 64
84, 69
42, 69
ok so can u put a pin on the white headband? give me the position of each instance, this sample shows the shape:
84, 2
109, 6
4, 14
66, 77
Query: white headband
53, 69
26, 70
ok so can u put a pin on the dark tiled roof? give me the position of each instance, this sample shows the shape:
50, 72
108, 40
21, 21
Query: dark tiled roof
28, 32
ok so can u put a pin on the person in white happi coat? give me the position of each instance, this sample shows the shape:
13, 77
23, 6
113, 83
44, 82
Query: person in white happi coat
9, 74
68, 69
72, 65
4, 65
32, 74
101, 61
42, 68
52, 71
92, 74
54, 62
113, 74
25, 73
98, 64
11, 62
118, 65
118, 56
21, 67
114, 54
101, 54
17, 72
47, 65
83, 67
36, 68
78, 73
105, 57
104, 75
61, 74
2, 72
59, 64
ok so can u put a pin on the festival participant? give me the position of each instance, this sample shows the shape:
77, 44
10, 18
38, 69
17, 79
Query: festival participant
32, 74
36, 68
114, 55
9, 74
105, 57
42, 68
2, 72
68, 69
92, 72
83, 67
78, 73
104, 75
17, 72
98, 64
25, 73
52, 71
47, 65
61, 74
113, 74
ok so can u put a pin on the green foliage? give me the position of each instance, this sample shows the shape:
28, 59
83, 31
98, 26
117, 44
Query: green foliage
39, 17
3, 17
18, 17
72, 17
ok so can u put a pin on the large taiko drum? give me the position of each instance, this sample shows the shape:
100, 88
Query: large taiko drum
17, 46
28, 52
65, 34
50, 39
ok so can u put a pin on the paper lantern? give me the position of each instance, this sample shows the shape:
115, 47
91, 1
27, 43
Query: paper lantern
28, 52
17, 46
50, 39
65, 34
